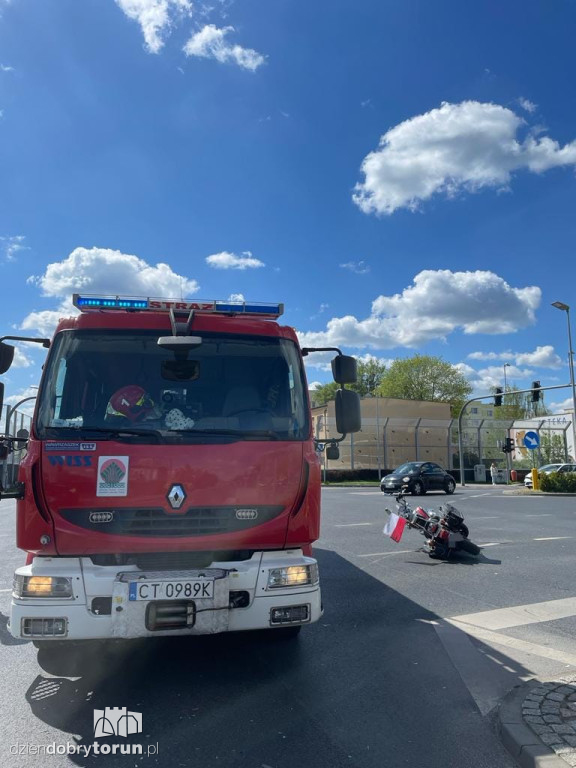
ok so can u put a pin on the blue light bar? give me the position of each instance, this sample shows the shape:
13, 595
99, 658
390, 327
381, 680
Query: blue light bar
108, 302
242, 308
86, 303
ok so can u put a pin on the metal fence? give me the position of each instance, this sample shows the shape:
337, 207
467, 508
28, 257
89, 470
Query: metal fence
385, 443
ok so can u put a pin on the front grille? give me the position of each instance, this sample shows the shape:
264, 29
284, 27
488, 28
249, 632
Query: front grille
155, 521
173, 561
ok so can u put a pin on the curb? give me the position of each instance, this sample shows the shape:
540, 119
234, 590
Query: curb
520, 741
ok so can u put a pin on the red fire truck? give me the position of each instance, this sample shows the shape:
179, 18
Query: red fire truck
171, 483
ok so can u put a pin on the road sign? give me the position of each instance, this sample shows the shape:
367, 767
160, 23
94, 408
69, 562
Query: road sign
531, 440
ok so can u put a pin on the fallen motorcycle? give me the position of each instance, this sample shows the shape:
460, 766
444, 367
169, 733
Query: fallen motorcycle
445, 531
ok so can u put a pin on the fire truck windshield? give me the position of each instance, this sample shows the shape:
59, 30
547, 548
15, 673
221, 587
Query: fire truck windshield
122, 383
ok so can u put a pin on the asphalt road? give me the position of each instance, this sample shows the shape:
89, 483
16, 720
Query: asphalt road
404, 669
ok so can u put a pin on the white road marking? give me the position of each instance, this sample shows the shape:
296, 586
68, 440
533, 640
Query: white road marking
542, 514
492, 517
350, 525
552, 538
384, 554
366, 493
490, 544
495, 638
518, 615
6, 590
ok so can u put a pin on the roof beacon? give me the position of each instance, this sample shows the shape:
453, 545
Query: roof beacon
87, 303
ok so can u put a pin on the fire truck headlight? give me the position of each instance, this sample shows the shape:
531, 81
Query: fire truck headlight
293, 576
42, 586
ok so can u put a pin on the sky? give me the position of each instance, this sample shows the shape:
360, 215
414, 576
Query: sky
399, 173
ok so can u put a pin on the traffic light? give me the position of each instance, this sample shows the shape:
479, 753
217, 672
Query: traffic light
498, 397
536, 394
508, 446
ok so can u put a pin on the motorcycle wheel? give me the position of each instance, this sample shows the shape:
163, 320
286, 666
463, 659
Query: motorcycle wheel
464, 531
470, 547
418, 489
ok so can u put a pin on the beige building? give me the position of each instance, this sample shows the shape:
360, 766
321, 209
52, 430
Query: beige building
393, 431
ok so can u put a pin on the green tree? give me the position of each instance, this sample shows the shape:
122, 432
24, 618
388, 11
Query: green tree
370, 375
423, 377
552, 448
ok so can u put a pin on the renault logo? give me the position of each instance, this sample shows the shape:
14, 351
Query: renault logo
176, 496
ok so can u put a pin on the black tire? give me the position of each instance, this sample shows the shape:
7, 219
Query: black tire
470, 547
418, 488
450, 487
464, 531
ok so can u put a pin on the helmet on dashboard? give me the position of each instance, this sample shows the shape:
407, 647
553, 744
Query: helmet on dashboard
131, 402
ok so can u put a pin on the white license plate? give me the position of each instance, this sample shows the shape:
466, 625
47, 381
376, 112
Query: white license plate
191, 589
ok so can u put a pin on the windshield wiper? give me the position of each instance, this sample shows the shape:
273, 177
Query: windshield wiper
111, 433
241, 435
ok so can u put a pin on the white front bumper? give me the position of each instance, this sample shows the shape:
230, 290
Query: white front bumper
127, 618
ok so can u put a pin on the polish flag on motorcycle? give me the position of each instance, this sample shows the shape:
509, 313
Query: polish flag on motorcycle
394, 527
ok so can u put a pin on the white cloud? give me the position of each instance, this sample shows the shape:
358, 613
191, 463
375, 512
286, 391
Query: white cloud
210, 43
236, 297
484, 380
12, 246
541, 357
45, 321
156, 18
6, 68
563, 405
102, 271
456, 148
528, 105
314, 385
359, 267
21, 360
226, 260
436, 304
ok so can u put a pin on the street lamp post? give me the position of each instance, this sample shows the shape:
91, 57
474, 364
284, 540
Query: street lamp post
565, 308
506, 365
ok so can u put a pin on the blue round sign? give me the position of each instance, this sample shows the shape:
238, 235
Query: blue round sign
531, 440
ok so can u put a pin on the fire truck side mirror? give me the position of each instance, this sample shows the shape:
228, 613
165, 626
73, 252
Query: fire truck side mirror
344, 369
6, 356
347, 407
332, 452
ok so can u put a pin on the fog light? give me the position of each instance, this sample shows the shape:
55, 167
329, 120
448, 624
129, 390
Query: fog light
293, 576
44, 627
291, 614
42, 586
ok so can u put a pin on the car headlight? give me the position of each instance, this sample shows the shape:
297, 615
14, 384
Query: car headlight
42, 586
406, 479
293, 576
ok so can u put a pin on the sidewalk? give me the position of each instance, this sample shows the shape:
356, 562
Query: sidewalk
537, 724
